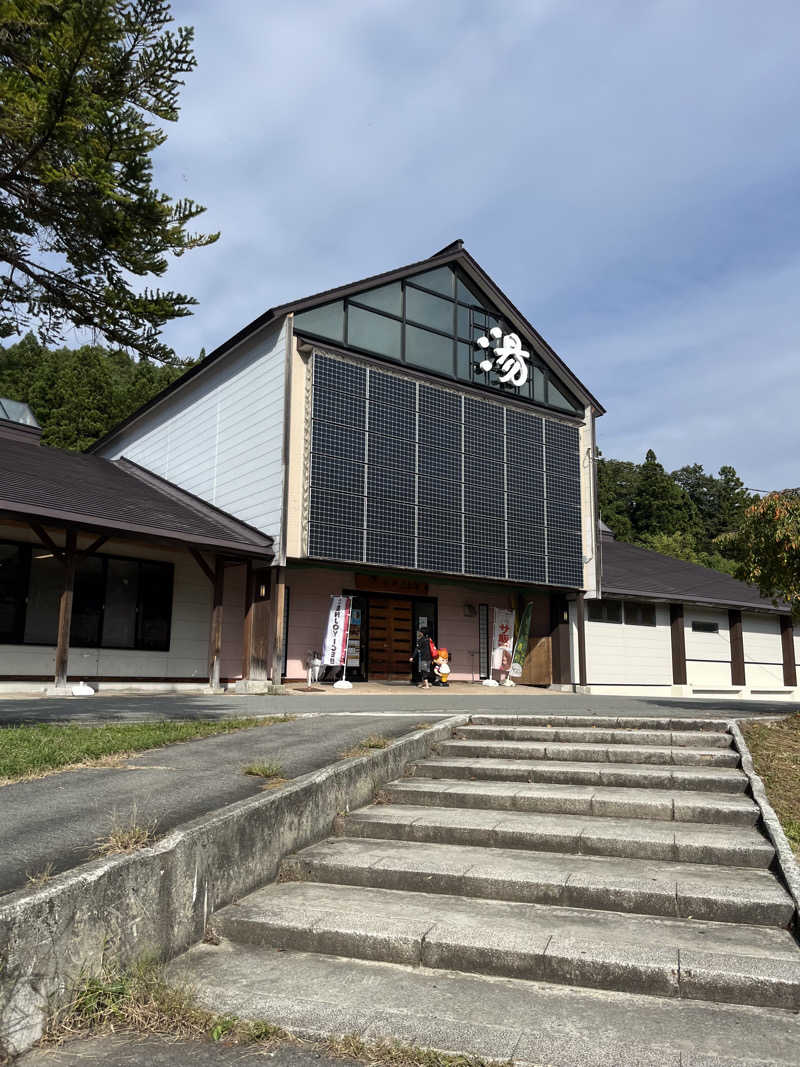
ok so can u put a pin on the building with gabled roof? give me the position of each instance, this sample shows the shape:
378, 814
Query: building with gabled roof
410, 442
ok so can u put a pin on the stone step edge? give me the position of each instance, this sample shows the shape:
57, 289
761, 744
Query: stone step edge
604, 894
663, 756
770, 982
582, 770
455, 793
575, 735
609, 722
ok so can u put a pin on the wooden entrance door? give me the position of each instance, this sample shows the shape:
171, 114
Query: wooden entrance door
389, 642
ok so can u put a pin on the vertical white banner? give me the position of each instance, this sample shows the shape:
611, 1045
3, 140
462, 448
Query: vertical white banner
502, 639
334, 648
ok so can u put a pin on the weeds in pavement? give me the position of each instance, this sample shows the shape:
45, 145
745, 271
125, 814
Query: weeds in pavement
126, 835
363, 748
40, 878
264, 770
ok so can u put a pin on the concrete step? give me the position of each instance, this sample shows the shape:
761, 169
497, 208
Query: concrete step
499, 1019
696, 960
609, 722
591, 753
585, 834
662, 804
650, 887
702, 739
729, 780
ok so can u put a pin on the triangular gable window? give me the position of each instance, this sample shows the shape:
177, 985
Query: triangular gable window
433, 321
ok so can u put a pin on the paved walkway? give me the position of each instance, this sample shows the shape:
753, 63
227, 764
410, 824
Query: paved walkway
55, 821
368, 700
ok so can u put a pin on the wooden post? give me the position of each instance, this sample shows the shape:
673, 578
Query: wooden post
580, 606
279, 601
737, 647
787, 645
678, 642
255, 644
215, 637
65, 611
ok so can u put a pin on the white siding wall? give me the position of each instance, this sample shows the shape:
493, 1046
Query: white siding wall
708, 656
188, 652
620, 654
763, 652
221, 435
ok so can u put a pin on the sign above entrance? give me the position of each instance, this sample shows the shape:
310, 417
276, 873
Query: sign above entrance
379, 583
509, 357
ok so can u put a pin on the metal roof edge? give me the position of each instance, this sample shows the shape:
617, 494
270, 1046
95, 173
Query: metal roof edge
645, 594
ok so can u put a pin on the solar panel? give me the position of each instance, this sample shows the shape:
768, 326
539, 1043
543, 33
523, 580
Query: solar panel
407, 474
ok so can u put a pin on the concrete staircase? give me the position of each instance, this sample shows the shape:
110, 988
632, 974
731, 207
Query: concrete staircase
556, 890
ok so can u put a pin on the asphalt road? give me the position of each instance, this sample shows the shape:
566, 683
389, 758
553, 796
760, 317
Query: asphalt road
55, 821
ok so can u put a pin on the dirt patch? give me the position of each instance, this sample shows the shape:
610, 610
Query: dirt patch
775, 748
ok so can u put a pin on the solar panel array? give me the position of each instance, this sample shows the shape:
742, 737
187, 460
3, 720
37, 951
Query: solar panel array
407, 474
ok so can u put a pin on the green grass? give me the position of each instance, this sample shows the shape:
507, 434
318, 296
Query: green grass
31, 751
264, 770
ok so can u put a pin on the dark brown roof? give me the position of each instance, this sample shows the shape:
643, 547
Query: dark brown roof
628, 570
47, 484
454, 252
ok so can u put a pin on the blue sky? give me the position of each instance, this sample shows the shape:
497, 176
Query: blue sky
626, 171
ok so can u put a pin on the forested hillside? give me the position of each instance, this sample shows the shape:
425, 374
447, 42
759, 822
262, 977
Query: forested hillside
78, 394
679, 514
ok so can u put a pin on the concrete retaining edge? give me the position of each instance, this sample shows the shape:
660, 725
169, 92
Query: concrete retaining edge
157, 901
787, 864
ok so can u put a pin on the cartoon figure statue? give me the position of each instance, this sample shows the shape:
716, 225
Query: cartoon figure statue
442, 667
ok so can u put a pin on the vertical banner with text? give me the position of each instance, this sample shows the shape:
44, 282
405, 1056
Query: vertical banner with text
503, 639
334, 648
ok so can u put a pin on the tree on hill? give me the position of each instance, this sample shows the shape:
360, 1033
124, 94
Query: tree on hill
86, 86
77, 395
720, 501
767, 546
660, 505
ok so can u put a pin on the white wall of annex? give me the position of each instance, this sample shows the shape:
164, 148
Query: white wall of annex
621, 654
763, 651
708, 655
221, 435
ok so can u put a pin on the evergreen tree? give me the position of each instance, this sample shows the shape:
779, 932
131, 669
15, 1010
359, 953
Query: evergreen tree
86, 86
660, 505
616, 488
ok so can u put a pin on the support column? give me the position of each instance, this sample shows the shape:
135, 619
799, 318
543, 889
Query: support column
678, 642
279, 601
65, 612
737, 647
580, 611
215, 635
255, 644
787, 645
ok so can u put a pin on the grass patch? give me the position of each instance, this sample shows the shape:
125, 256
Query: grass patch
33, 751
40, 878
125, 835
368, 744
775, 748
264, 770
143, 1001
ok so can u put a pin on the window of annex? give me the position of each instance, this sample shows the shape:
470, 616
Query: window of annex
431, 321
117, 603
637, 614
604, 610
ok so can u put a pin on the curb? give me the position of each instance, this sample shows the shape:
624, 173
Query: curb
156, 901
787, 864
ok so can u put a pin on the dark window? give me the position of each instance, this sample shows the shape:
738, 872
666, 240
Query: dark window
442, 280
640, 614
604, 610
13, 580
429, 310
327, 321
116, 603
705, 627
387, 298
375, 333
429, 350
